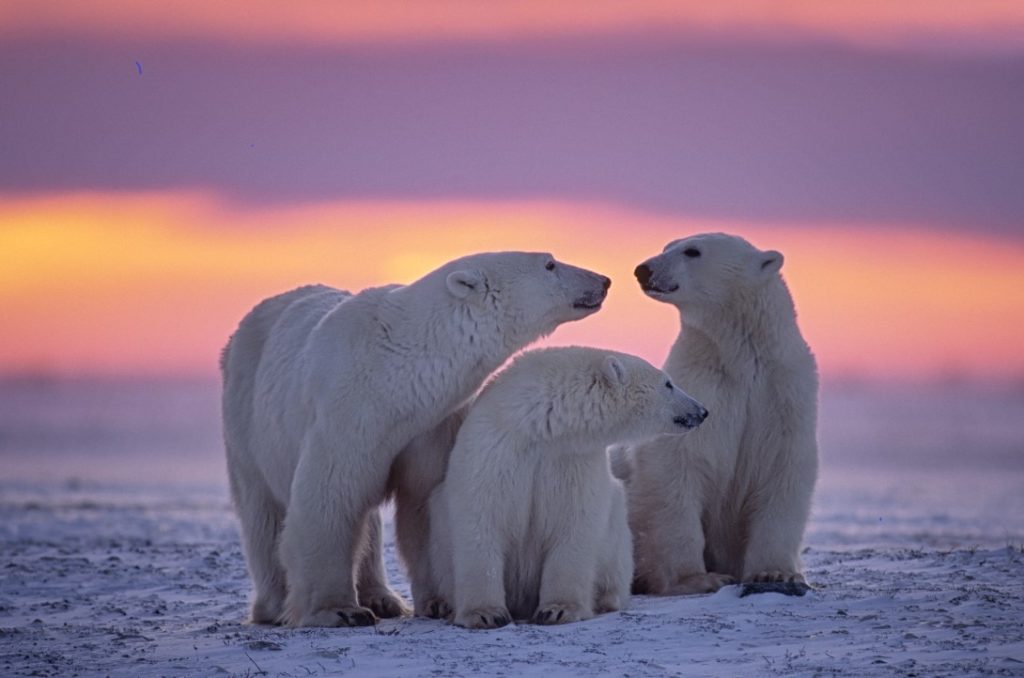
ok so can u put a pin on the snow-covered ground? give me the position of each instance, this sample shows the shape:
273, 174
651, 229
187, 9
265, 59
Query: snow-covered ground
119, 555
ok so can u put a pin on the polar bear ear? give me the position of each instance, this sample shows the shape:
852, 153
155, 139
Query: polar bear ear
671, 245
769, 262
464, 283
614, 371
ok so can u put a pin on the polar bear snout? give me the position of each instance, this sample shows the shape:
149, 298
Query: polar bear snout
593, 298
692, 415
589, 300
651, 282
693, 420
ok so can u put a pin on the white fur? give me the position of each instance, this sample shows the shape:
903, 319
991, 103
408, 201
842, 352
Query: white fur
730, 501
529, 521
324, 389
417, 471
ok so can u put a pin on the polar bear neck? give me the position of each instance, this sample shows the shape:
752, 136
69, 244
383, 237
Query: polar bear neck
453, 346
755, 325
532, 414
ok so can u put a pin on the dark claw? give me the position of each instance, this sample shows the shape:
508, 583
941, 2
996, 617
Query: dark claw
561, 613
387, 609
363, 618
785, 588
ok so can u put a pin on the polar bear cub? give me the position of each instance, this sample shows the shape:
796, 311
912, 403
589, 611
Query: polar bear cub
324, 389
529, 522
730, 501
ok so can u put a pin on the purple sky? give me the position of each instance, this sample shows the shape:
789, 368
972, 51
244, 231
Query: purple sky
723, 128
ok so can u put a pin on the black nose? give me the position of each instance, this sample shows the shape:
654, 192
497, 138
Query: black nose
643, 273
703, 414
607, 283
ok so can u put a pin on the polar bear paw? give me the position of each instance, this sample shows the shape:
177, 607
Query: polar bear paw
491, 617
559, 613
436, 608
608, 602
350, 615
776, 581
777, 576
704, 582
267, 611
385, 604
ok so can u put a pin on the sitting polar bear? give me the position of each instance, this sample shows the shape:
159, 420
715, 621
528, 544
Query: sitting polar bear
529, 521
322, 391
732, 500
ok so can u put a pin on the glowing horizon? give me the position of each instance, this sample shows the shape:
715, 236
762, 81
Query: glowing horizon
871, 22
153, 284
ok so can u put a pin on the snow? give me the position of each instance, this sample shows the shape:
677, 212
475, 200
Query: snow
917, 564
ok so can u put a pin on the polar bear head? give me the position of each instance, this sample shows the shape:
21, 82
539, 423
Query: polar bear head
709, 272
581, 394
525, 294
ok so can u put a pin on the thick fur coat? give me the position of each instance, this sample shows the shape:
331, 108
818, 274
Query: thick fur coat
324, 390
730, 501
529, 522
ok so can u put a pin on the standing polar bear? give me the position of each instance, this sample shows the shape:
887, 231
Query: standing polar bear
731, 500
324, 389
529, 521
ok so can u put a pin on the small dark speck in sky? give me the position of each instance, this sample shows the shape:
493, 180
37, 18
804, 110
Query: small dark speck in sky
139, 67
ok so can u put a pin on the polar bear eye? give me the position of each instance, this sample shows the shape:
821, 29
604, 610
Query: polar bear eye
550, 266
668, 385
691, 252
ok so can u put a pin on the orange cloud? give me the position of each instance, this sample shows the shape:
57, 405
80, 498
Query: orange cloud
862, 21
154, 283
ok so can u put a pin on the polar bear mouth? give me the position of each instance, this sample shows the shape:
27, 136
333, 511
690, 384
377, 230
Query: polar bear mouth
686, 422
653, 289
589, 301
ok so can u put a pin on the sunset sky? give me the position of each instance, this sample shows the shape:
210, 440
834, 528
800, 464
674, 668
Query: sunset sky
163, 166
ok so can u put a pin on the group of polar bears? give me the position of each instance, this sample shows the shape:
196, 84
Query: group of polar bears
506, 505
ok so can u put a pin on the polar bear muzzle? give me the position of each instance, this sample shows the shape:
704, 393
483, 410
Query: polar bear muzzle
650, 283
593, 298
690, 421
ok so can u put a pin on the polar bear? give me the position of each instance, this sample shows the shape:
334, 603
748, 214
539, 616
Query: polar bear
730, 501
529, 522
322, 391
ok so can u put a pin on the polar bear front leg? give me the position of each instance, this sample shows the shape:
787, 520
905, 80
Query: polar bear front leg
319, 561
416, 474
413, 533
480, 591
776, 530
615, 572
669, 538
478, 559
685, 556
567, 581
373, 588
323, 530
